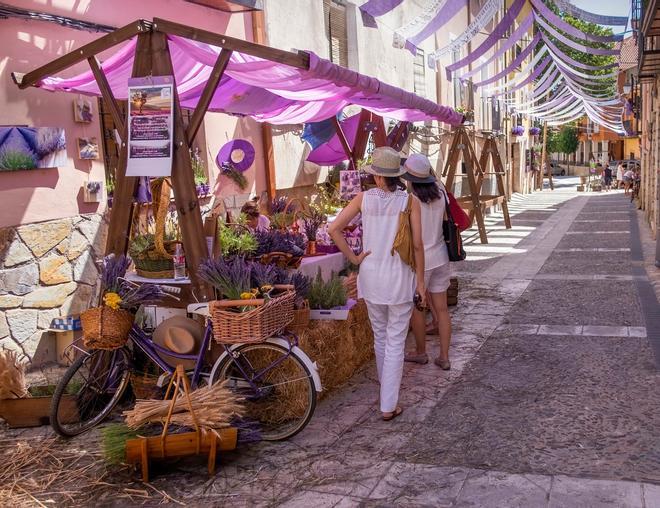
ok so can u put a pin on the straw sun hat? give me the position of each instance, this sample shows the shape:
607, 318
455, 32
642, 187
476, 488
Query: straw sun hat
180, 334
385, 161
418, 169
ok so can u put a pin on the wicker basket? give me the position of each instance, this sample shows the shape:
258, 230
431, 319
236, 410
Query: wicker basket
145, 386
105, 328
281, 259
300, 320
265, 320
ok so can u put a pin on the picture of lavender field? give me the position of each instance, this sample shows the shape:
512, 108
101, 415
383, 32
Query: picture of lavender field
31, 148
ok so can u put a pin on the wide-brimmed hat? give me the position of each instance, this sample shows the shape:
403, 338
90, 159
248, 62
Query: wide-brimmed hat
418, 169
181, 335
385, 161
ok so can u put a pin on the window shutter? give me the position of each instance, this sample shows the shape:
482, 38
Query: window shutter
419, 74
335, 22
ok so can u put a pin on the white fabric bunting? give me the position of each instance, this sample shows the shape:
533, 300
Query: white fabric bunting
402, 34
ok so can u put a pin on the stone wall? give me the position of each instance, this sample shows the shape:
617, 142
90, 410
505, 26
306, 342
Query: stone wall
47, 270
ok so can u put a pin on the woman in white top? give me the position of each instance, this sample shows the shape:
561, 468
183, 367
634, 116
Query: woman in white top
385, 282
431, 195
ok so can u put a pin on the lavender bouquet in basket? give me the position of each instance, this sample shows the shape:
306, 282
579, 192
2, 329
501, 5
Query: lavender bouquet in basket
119, 293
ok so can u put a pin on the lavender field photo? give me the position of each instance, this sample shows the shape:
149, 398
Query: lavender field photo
24, 148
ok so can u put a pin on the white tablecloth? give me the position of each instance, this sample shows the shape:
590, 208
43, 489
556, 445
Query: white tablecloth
328, 263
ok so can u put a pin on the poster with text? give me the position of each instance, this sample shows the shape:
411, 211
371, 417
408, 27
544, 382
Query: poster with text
349, 184
150, 126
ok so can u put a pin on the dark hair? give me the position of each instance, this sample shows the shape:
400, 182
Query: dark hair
426, 192
250, 209
393, 183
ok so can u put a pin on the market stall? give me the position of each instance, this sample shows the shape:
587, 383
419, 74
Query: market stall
262, 275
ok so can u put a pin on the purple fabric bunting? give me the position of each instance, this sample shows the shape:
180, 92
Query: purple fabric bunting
518, 34
444, 15
514, 64
571, 43
565, 58
546, 82
537, 72
374, 8
490, 41
545, 11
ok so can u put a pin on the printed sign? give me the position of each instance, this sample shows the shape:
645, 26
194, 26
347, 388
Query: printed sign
150, 126
349, 184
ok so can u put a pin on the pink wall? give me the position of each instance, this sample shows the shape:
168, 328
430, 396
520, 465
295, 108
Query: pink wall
38, 195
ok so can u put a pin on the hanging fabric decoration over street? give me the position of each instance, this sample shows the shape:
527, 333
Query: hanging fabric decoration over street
434, 17
375, 8
571, 43
485, 16
564, 26
515, 63
498, 32
590, 17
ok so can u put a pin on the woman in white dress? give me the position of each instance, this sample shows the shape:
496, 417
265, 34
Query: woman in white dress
431, 195
385, 282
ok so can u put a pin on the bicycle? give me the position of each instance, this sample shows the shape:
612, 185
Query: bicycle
262, 373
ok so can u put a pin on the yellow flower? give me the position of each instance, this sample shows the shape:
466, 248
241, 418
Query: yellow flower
255, 291
112, 300
247, 296
266, 288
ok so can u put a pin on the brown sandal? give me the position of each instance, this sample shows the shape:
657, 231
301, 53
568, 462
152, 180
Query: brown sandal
391, 416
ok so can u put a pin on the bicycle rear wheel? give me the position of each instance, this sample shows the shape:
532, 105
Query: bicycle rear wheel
279, 390
89, 390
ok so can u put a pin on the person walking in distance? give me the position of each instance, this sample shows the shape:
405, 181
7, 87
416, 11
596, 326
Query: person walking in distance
619, 175
431, 195
385, 282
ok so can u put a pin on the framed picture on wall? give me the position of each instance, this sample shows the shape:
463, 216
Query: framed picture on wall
24, 148
88, 148
82, 110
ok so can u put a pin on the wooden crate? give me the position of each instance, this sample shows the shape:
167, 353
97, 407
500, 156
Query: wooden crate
34, 411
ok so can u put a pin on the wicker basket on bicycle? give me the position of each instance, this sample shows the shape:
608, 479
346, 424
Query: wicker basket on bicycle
265, 319
105, 328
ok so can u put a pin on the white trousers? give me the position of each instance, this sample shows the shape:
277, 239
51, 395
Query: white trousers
390, 325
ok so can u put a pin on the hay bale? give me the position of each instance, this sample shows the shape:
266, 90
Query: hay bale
339, 348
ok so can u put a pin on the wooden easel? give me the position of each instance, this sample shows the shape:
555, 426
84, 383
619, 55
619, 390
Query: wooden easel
545, 163
461, 149
490, 151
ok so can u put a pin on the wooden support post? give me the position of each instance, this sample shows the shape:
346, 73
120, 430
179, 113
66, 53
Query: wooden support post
352, 163
209, 90
183, 182
399, 132
108, 97
122, 201
362, 136
380, 136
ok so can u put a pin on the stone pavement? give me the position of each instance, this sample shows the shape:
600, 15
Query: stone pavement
552, 399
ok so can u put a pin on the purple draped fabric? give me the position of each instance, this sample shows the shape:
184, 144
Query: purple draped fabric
514, 64
546, 82
332, 152
490, 41
562, 25
571, 43
567, 59
444, 15
374, 8
265, 90
537, 72
518, 34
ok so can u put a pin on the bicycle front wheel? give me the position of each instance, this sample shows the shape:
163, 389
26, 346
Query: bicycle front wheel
277, 386
89, 390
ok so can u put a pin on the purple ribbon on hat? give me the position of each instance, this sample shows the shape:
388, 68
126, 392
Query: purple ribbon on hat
225, 158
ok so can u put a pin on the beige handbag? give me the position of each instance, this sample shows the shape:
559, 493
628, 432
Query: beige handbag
403, 242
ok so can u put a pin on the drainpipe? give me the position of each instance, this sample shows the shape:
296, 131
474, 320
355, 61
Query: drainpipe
259, 36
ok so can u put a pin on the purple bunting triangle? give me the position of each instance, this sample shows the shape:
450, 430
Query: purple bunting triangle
374, 8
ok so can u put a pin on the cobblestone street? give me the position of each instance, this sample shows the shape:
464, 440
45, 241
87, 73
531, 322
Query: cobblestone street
552, 399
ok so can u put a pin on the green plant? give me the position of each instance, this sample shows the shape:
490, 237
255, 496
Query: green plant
326, 295
115, 436
140, 245
281, 220
232, 278
235, 241
14, 160
199, 171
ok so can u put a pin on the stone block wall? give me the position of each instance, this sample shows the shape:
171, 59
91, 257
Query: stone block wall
47, 270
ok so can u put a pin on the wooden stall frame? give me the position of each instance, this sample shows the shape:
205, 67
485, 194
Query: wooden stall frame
490, 151
152, 57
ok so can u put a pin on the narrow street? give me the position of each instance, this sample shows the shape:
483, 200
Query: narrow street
552, 399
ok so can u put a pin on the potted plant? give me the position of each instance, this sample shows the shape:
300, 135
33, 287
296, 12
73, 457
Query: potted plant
518, 130
328, 299
199, 172
534, 131
311, 223
236, 240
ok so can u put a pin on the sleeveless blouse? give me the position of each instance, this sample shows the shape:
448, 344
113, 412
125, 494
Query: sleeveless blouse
435, 248
383, 278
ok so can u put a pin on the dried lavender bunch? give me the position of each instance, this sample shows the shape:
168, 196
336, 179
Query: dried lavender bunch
301, 283
279, 241
114, 268
264, 275
278, 205
231, 277
311, 223
132, 295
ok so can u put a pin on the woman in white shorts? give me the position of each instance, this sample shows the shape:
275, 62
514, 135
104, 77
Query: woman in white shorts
431, 195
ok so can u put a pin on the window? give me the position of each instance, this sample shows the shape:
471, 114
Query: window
419, 74
334, 12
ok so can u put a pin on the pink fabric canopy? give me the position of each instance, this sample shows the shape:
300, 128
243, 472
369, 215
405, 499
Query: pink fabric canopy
332, 152
267, 91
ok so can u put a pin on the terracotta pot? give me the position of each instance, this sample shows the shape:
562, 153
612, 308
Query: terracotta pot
311, 248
